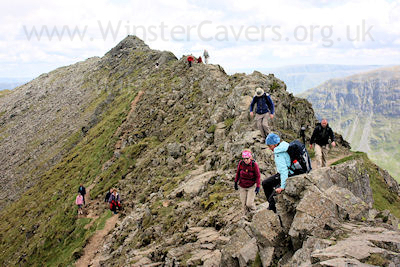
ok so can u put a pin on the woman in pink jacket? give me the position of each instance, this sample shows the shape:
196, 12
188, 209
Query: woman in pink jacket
79, 202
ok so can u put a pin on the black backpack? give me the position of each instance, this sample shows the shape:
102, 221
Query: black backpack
299, 158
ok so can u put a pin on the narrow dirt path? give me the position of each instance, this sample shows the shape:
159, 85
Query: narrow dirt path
91, 257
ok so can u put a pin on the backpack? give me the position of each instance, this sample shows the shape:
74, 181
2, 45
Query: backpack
299, 158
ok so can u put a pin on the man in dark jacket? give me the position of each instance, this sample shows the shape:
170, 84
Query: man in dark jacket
82, 190
265, 109
320, 138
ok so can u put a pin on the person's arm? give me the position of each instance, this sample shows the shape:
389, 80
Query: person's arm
283, 170
258, 174
332, 136
252, 104
237, 173
271, 105
312, 140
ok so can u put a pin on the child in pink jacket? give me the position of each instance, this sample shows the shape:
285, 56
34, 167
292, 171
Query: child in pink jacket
79, 202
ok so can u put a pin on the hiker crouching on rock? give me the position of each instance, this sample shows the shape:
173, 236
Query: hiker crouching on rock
247, 181
114, 201
265, 110
275, 184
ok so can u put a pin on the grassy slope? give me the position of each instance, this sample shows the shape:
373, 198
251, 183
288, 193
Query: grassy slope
383, 198
44, 221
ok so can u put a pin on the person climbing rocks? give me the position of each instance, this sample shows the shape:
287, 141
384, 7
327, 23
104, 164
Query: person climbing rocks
190, 60
320, 140
82, 190
265, 110
115, 201
206, 56
303, 133
200, 60
79, 202
276, 183
108, 195
157, 65
247, 181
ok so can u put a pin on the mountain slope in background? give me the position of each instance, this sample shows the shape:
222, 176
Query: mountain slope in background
11, 83
299, 78
365, 108
169, 139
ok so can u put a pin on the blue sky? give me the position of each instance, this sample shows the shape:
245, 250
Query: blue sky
239, 35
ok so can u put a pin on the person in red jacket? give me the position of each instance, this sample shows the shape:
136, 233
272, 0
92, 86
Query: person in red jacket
190, 60
200, 60
247, 181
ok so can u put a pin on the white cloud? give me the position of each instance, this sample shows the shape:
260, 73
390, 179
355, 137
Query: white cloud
305, 31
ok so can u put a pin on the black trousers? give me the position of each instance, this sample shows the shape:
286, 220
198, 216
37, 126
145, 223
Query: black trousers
269, 185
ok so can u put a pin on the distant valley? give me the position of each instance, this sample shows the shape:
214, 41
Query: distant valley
365, 108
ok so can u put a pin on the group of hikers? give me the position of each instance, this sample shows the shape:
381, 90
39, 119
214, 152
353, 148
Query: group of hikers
290, 158
191, 59
112, 198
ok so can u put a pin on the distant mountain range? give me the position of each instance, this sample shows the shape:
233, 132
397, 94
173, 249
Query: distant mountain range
365, 108
11, 83
299, 78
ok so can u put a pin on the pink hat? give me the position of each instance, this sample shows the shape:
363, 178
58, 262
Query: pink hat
246, 154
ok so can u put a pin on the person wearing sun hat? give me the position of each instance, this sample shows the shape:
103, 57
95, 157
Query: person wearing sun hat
275, 184
265, 110
247, 181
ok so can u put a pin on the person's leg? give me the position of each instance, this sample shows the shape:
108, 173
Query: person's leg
259, 121
323, 156
269, 185
318, 155
251, 194
243, 196
265, 125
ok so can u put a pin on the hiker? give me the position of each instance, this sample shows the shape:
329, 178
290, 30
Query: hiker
199, 60
277, 182
303, 134
265, 109
108, 195
247, 181
190, 60
206, 56
320, 140
82, 190
79, 202
157, 65
114, 201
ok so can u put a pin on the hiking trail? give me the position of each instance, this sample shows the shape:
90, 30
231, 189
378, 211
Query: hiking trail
91, 255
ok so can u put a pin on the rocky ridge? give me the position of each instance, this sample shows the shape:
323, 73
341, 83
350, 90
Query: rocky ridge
173, 159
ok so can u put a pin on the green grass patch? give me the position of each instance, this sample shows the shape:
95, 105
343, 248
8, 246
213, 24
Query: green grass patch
41, 228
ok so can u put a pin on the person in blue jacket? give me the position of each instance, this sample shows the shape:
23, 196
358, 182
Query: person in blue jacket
265, 110
275, 184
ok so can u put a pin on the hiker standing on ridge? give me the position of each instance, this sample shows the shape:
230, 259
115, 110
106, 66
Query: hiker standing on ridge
190, 60
303, 133
79, 202
82, 190
115, 201
247, 181
108, 195
206, 56
199, 60
320, 139
265, 109
282, 163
